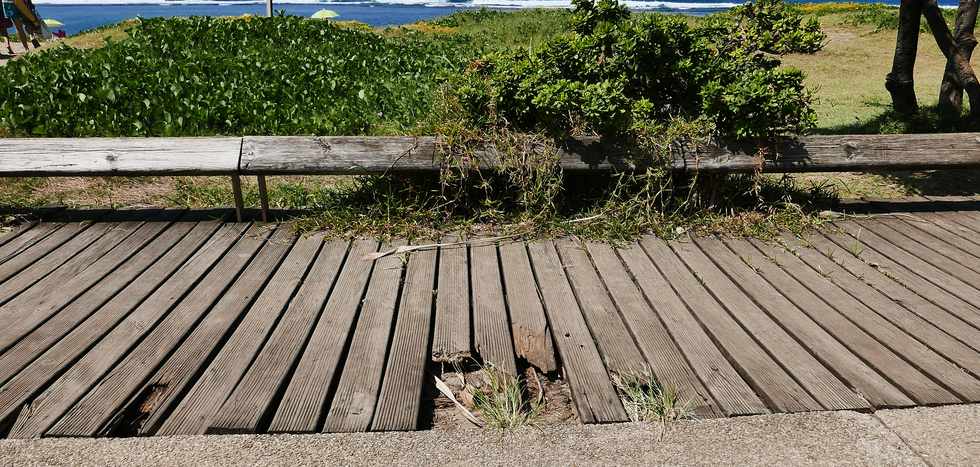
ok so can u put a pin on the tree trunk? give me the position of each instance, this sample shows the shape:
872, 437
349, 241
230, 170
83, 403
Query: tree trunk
950, 93
900, 82
962, 72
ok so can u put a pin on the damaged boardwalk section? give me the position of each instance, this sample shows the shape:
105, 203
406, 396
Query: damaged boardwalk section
172, 322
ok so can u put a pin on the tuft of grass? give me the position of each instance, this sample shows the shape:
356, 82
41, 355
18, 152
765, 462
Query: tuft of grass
646, 399
502, 402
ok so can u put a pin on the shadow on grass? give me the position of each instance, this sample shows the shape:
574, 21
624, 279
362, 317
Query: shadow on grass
960, 182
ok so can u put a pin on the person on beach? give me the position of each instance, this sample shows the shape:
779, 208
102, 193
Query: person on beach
5, 24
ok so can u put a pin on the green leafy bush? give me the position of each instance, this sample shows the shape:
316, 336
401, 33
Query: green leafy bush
623, 76
206, 76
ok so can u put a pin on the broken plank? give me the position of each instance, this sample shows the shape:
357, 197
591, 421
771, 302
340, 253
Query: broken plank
596, 401
357, 391
615, 343
451, 338
722, 278
195, 409
145, 329
302, 406
399, 403
529, 326
179, 363
491, 329
790, 303
255, 394
757, 367
733, 394
666, 361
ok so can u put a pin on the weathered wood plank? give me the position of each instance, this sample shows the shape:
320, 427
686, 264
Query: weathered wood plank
528, 324
723, 279
732, 393
15, 231
854, 331
792, 304
451, 338
95, 313
491, 330
19, 316
180, 362
354, 401
37, 157
665, 359
36, 262
399, 403
941, 228
948, 274
613, 339
596, 401
758, 367
195, 409
916, 274
254, 395
945, 245
359, 155
120, 336
303, 404
138, 332
24, 240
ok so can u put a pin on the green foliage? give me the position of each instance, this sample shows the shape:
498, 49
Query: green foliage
206, 76
620, 76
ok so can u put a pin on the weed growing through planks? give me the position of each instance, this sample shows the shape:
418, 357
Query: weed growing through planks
856, 248
502, 401
646, 399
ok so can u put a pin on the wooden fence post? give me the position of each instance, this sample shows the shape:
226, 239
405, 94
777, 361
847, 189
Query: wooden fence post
236, 188
263, 198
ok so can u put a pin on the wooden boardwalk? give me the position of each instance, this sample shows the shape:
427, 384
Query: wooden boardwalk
172, 322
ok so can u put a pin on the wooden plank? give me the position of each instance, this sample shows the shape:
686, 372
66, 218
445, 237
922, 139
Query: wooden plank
254, 395
180, 363
895, 312
302, 406
25, 240
945, 245
755, 365
528, 324
823, 153
451, 338
614, 341
31, 308
785, 299
24, 265
948, 231
809, 372
15, 231
871, 339
900, 253
898, 271
195, 409
399, 403
39, 157
732, 393
353, 403
665, 359
137, 332
932, 253
596, 401
491, 329
120, 335
99, 309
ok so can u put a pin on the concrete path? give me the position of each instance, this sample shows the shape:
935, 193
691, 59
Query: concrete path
921, 436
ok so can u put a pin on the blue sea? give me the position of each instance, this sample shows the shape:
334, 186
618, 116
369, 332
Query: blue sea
81, 15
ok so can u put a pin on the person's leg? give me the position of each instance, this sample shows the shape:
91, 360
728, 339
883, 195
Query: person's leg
6, 40
21, 34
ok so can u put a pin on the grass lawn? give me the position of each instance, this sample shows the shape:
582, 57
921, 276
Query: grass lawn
846, 77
